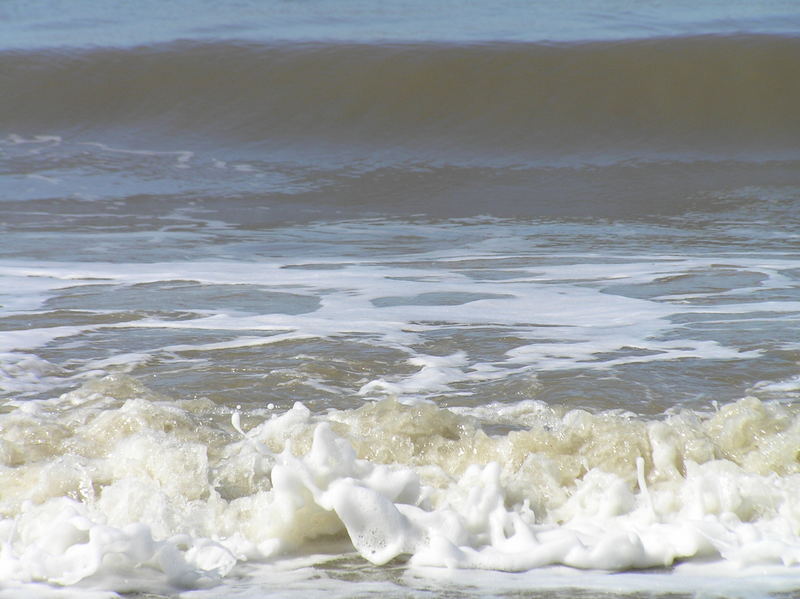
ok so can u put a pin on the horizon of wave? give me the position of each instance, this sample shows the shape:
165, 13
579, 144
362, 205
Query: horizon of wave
37, 24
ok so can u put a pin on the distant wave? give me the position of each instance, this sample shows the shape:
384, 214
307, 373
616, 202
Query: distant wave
705, 96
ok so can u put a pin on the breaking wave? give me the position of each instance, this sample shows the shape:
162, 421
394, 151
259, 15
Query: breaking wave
114, 479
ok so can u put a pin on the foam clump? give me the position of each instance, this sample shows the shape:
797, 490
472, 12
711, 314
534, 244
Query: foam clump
138, 491
62, 542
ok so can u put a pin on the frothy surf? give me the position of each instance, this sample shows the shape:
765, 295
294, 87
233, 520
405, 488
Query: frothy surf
114, 484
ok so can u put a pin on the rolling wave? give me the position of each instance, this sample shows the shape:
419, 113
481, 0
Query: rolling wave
698, 97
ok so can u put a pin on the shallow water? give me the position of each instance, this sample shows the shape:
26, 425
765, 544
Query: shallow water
415, 300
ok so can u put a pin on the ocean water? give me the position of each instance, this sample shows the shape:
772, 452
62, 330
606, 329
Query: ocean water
418, 299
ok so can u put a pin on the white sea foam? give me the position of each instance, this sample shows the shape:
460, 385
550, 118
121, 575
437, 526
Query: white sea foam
16, 139
562, 316
22, 373
115, 487
182, 156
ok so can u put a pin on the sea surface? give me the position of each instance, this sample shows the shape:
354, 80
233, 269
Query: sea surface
411, 299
